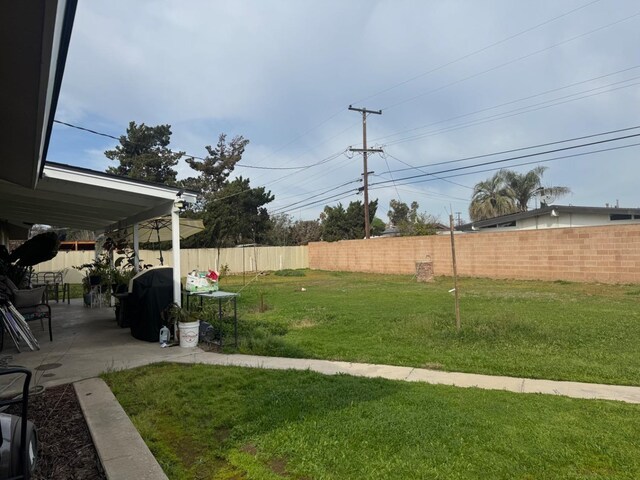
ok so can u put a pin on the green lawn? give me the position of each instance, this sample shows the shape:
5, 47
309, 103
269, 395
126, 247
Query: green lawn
553, 330
209, 422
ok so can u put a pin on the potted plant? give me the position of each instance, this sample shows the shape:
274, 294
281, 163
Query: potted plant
97, 273
185, 323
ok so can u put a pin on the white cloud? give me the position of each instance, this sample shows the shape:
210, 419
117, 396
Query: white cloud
282, 73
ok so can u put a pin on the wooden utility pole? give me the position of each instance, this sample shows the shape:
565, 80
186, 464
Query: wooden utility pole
365, 151
455, 273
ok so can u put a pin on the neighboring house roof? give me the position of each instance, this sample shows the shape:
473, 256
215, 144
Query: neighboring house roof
552, 210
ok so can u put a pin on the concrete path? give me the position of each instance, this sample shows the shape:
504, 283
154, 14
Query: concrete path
124, 454
87, 343
489, 382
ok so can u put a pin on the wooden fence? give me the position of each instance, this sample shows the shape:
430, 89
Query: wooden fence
237, 260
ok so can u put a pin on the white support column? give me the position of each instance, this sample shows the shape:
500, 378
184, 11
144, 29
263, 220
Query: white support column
175, 245
136, 247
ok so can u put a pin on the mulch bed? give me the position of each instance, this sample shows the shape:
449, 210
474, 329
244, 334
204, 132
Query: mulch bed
66, 450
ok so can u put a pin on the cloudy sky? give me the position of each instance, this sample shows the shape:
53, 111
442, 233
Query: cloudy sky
454, 79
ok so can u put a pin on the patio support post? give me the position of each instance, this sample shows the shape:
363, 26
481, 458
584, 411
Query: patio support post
175, 246
136, 247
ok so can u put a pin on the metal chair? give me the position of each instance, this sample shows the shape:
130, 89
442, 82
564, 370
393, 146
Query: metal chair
31, 302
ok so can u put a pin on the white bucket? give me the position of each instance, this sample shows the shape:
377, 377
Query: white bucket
189, 334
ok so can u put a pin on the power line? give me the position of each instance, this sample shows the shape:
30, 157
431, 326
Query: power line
337, 196
428, 194
512, 113
475, 52
520, 149
529, 97
185, 154
276, 210
534, 162
523, 57
519, 157
420, 170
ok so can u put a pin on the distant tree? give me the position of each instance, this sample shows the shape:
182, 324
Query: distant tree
144, 154
341, 224
425, 224
398, 212
305, 231
214, 170
491, 198
525, 186
236, 215
509, 192
279, 233
377, 227
334, 223
409, 221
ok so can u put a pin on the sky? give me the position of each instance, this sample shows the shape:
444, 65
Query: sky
454, 79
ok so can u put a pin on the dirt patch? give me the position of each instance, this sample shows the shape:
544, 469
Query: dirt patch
250, 449
65, 449
279, 466
433, 366
304, 323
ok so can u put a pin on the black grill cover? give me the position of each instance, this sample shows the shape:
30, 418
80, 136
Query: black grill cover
151, 293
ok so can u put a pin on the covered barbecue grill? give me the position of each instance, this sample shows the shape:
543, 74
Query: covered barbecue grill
150, 292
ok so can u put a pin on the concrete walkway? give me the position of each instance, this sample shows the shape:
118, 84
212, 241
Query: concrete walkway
123, 452
87, 343
410, 374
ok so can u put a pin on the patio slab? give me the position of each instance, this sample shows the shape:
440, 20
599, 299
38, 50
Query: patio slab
86, 343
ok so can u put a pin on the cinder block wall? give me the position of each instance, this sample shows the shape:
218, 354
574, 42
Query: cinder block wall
608, 254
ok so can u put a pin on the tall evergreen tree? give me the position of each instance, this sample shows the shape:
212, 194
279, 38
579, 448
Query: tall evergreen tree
339, 223
214, 170
144, 154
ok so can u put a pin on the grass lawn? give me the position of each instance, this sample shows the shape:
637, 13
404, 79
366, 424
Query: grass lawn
210, 422
553, 330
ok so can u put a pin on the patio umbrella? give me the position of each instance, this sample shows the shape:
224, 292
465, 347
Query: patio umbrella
158, 230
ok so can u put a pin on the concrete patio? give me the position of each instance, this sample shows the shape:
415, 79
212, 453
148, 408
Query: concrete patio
86, 342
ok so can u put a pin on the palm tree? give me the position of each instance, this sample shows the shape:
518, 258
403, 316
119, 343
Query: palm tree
525, 186
491, 198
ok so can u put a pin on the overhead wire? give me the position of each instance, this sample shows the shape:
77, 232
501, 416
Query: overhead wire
523, 57
512, 113
475, 52
534, 162
276, 210
520, 149
465, 167
529, 97
420, 169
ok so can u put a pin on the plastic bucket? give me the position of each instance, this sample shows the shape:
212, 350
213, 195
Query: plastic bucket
189, 334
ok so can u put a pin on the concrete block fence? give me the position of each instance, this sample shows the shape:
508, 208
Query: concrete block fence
609, 254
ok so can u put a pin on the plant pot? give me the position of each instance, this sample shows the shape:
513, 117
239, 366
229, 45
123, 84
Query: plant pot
189, 332
87, 299
95, 280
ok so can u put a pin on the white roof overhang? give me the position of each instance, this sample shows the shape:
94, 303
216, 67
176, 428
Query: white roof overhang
86, 199
34, 40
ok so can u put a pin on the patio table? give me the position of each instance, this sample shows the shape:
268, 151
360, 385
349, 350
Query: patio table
220, 296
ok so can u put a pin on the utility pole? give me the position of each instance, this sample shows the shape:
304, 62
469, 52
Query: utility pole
365, 151
455, 274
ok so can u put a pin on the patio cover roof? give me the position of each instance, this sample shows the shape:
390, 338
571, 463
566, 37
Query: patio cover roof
77, 197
